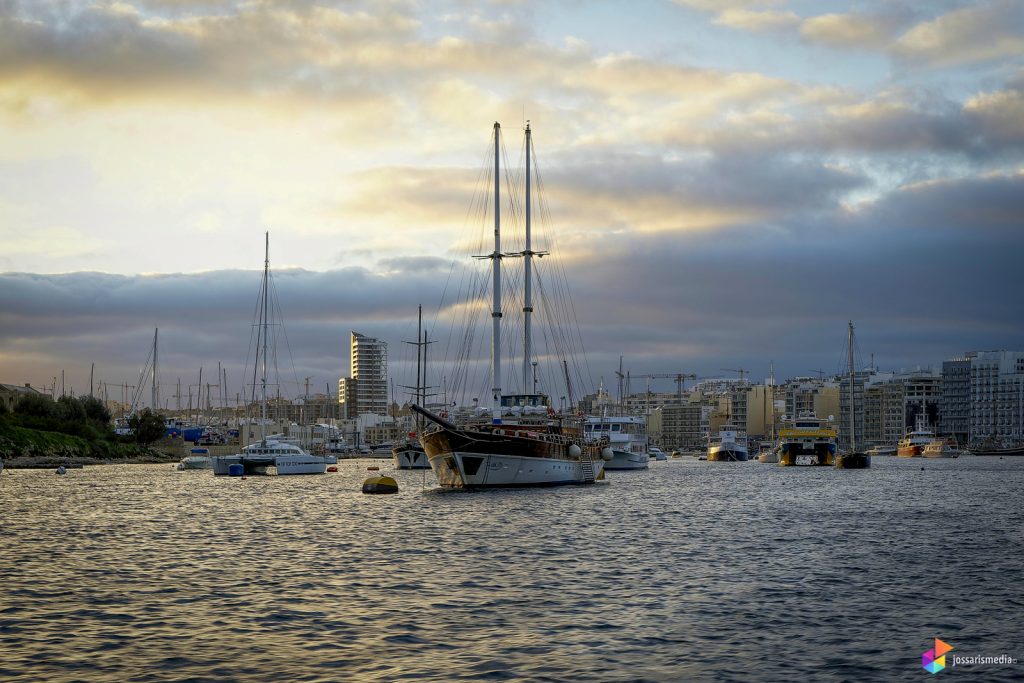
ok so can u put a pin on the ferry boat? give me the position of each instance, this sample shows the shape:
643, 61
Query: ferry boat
912, 445
730, 447
807, 441
627, 437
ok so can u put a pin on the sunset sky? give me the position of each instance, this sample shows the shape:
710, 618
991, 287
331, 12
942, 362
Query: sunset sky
729, 182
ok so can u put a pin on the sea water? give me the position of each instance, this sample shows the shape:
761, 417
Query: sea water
687, 571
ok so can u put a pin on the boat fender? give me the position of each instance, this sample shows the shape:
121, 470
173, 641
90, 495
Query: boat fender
380, 485
575, 450
61, 470
606, 453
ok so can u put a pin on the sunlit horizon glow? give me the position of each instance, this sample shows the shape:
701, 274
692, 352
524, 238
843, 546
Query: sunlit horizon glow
717, 174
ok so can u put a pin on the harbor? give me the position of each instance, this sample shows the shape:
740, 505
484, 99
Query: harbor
521, 342
182, 575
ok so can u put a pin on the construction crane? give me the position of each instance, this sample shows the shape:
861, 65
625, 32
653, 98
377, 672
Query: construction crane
740, 371
679, 377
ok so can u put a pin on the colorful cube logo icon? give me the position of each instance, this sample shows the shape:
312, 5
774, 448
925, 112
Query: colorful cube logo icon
934, 661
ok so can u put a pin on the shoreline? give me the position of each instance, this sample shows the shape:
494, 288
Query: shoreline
42, 462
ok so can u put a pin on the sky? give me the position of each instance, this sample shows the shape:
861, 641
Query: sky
726, 183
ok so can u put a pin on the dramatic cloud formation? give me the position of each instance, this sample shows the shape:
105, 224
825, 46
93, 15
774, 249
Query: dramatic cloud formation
724, 183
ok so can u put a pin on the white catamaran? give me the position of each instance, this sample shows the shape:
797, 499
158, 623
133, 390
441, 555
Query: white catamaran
260, 456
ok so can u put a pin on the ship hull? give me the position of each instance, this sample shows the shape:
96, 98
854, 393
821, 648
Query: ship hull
411, 458
716, 454
626, 460
503, 459
852, 461
1019, 450
823, 455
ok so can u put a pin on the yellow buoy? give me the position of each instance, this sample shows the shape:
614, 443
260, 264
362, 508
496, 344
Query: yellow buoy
380, 485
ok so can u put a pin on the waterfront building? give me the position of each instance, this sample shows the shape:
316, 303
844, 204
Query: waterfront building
997, 396
884, 414
922, 394
10, 394
861, 379
684, 426
765, 408
365, 390
955, 405
811, 395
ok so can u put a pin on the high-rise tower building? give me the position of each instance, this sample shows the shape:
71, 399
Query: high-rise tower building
365, 390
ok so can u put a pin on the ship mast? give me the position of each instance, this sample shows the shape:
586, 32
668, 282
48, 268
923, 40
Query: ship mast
527, 269
853, 414
496, 269
263, 323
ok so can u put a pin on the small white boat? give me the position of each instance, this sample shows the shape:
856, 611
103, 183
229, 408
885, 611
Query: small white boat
768, 455
197, 459
627, 436
941, 448
656, 453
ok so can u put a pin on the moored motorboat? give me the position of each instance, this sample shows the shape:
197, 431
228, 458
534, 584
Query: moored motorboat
627, 437
941, 448
730, 447
912, 445
197, 459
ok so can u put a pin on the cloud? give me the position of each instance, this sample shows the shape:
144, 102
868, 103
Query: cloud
988, 31
693, 301
754, 20
847, 30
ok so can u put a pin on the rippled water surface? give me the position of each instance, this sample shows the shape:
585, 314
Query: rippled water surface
688, 571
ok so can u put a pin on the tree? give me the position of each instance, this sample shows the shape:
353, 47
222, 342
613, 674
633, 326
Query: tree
35, 405
95, 410
146, 425
70, 409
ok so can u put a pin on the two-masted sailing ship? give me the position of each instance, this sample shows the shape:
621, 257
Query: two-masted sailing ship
537, 447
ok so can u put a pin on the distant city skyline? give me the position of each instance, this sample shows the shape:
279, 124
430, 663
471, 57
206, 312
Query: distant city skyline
729, 182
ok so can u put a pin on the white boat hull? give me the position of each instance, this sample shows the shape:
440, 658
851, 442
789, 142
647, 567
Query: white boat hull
477, 470
196, 462
411, 459
283, 464
626, 460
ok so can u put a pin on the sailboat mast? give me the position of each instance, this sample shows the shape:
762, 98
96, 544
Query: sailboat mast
496, 269
853, 414
527, 277
419, 368
263, 323
155, 397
